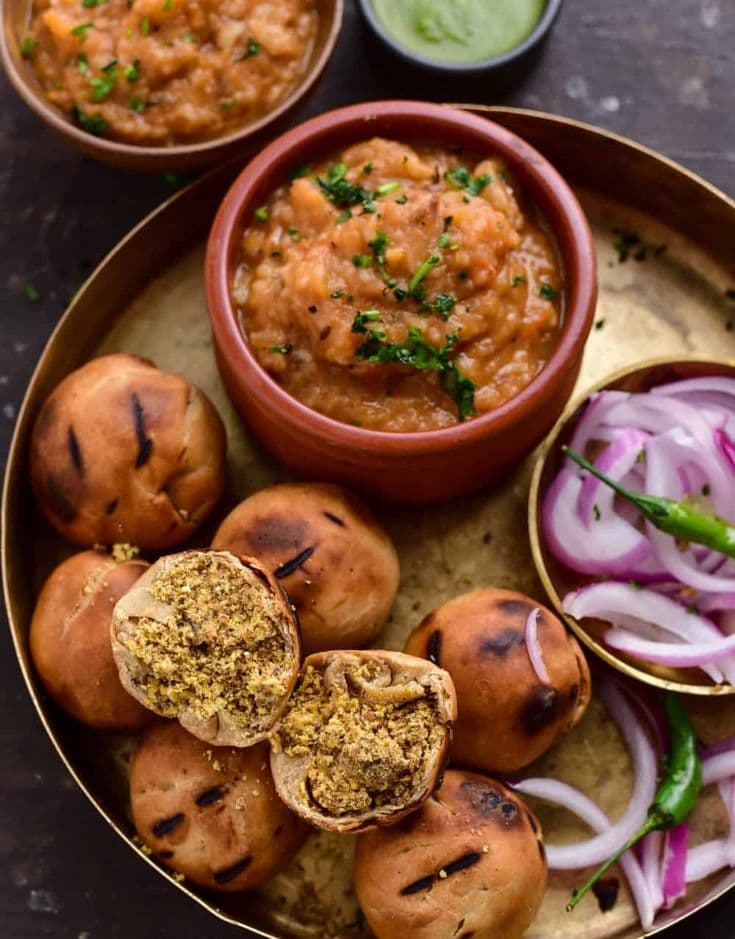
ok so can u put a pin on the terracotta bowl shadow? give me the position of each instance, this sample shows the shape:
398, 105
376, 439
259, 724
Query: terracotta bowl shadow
407, 467
558, 580
159, 159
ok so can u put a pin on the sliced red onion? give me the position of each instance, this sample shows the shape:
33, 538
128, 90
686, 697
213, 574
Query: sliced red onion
726, 445
722, 746
560, 793
677, 655
651, 853
719, 767
673, 872
609, 545
599, 848
625, 605
533, 647
707, 858
658, 415
616, 460
593, 418
709, 383
707, 603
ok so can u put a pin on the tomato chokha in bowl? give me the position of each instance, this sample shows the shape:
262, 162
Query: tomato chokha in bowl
399, 294
400, 288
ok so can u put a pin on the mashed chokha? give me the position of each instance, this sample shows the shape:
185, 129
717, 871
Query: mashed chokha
399, 288
158, 72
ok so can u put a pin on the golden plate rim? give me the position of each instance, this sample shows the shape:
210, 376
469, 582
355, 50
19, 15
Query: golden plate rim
218, 179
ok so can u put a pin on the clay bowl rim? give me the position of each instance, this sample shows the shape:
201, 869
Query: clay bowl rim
487, 64
636, 669
566, 223
154, 157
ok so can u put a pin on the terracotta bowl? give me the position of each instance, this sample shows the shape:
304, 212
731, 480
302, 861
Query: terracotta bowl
15, 18
409, 467
557, 579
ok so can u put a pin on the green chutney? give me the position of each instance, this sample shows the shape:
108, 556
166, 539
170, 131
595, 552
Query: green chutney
459, 30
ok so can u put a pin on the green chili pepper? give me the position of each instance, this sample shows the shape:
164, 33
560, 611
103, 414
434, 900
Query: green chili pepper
677, 795
680, 519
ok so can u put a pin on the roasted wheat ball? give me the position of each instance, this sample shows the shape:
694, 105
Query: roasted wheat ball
470, 862
70, 640
211, 813
364, 738
508, 714
210, 639
337, 564
124, 452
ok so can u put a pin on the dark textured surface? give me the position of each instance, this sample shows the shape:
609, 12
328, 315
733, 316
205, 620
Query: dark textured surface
660, 71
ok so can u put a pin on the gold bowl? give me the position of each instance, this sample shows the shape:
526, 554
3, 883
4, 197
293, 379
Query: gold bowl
557, 579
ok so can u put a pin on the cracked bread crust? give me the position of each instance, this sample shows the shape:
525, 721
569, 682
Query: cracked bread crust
364, 738
122, 451
210, 639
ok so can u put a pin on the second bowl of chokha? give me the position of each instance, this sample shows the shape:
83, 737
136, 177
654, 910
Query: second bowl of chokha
364, 738
522, 679
324, 546
399, 294
165, 84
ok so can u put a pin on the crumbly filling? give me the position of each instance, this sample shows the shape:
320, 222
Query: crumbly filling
369, 747
220, 649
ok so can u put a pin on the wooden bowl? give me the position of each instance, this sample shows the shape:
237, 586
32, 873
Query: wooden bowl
558, 580
426, 465
158, 159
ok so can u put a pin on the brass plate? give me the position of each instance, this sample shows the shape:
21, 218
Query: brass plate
147, 297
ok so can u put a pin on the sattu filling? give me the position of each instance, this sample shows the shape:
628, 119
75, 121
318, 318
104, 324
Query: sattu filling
220, 649
368, 746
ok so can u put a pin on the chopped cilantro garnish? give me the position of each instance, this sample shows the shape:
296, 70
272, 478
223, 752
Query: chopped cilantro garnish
362, 318
252, 48
596, 510
28, 47
81, 31
402, 200
92, 3
625, 242
415, 352
367, 168
447, 224
442, 303
340, 191
102, 86
547, 292
518, 279
82, 64
300, 171
132, 71
362, 260
400, 294
461, 178
30, 292
379, 244
387, 188
167, 4
338, 294
92, 123
138, 105
415, 287
444, 240
344, 216
281, 350
261, 213
294, 233
145, 26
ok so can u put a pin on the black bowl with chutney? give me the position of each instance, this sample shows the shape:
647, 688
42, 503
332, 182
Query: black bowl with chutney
466, 38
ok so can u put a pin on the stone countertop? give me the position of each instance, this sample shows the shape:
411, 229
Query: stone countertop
659, 71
